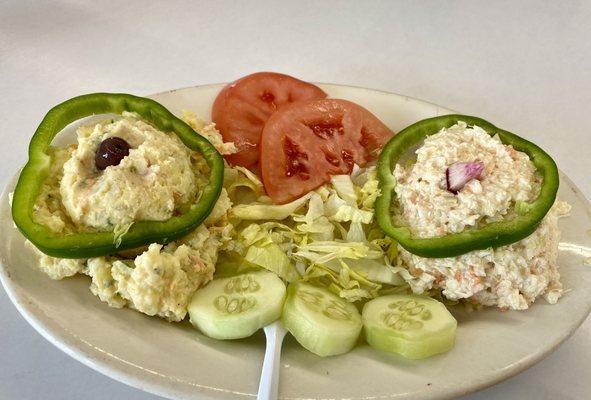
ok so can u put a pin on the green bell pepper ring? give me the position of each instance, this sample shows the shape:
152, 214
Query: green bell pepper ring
495, 234
94, 244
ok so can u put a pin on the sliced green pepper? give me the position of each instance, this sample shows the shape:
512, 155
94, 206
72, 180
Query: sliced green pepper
94, 244
495, 234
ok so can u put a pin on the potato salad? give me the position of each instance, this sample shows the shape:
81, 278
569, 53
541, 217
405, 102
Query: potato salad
157, 178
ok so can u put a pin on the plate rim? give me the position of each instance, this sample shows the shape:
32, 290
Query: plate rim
118, 369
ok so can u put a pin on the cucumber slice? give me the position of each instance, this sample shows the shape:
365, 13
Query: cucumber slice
237, 307
410, 325
320, 321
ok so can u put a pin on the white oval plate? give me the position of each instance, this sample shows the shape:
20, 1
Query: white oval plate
174, 360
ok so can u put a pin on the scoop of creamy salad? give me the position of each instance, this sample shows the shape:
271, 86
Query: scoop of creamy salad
148, 184
510, 277
154, 181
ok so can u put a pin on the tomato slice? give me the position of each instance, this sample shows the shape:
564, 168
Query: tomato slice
242, 108
305, 143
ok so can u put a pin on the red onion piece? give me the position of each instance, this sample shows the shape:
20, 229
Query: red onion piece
458, 174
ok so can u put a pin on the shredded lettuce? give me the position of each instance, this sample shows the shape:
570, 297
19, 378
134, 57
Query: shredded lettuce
231, 265
242, 185
343, 185
322, 252
274, 259
377, 271
345, 282
339, 210
328, 237
369, 192
258, 211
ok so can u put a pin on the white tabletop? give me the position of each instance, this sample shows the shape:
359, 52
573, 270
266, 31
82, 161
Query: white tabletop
524, 65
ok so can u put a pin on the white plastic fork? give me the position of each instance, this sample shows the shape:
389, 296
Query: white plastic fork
269, 383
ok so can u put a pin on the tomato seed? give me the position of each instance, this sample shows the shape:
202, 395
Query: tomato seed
295, 166
331, 157
326, 131
348, 158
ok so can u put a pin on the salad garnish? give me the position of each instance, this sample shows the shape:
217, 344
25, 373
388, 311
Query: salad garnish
458, 174
242, 108
93, 244
413, 326
110, 152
